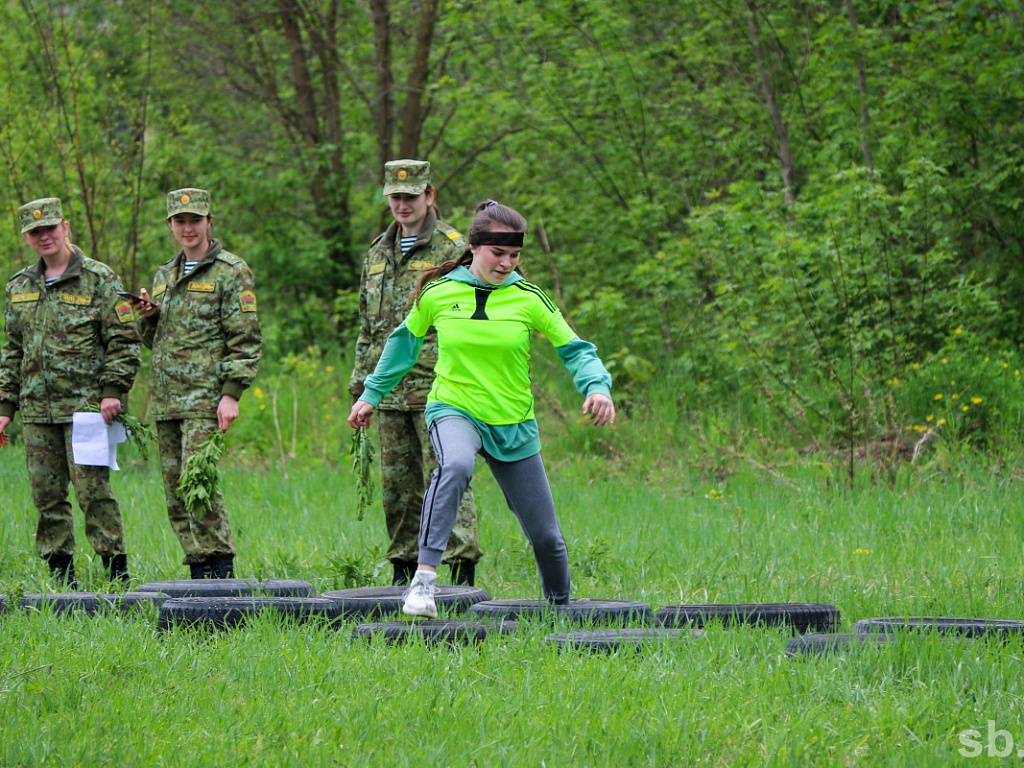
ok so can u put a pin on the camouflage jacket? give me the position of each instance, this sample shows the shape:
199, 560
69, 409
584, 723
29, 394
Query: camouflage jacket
387, 285
206, 338
68, 344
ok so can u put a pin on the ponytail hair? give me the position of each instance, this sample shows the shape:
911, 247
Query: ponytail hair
489, 214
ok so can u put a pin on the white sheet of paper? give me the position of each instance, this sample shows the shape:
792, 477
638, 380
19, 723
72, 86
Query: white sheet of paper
93, 443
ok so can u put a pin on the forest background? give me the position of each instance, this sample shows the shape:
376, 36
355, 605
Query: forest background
788, 226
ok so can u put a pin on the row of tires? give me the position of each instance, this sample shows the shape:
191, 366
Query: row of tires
227, 603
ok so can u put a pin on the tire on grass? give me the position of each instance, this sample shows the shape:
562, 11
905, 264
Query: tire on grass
822, 644
946, 625
581, 609
231, 587
373, 602
63, 603
225, 612
802, 617
611, 640
452, 632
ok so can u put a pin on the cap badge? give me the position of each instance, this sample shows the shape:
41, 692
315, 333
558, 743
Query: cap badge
403, 175
185, 199
37, 214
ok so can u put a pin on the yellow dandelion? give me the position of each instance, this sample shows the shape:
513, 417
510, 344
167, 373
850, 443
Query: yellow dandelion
986, 359
1016, 373
929, 418
944, 361
940, 422
1006, 365
329, 369
263, 407
258, 392
958, 331
954, 396
975, 400
915, 366
938, 396
918, 428
966, 408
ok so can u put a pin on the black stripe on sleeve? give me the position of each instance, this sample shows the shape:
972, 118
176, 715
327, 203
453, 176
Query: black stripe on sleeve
523, 285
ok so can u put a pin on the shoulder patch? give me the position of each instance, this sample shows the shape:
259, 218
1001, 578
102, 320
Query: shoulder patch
230, 258
375, 269
377, 238
159, 290
247, 299
453, 235
124, 312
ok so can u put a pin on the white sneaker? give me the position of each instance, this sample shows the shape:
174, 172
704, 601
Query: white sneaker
419, 598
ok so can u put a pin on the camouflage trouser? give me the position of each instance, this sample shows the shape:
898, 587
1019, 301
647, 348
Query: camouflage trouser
406, 463
201, 538
51, 467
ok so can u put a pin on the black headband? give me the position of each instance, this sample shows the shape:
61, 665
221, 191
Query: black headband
514, 239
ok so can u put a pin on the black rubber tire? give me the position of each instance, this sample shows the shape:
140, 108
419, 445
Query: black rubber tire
583, 609
373, 602
132, 601
946, 625
453, 632
231, 587
224, 612
62, 603
611, 640
820, 645
802, 617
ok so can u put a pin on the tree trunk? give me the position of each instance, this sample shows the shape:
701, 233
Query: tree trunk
414, 113
772, 104
384, 113
865, 118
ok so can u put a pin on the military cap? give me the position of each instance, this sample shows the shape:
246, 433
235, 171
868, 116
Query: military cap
406, 177
188, 200
40, 213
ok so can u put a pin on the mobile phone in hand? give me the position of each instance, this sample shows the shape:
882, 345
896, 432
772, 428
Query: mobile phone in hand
130, 296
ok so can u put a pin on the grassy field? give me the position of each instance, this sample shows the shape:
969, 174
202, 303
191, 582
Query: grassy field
114, 691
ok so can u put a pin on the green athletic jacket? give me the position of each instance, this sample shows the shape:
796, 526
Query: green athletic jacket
387, 284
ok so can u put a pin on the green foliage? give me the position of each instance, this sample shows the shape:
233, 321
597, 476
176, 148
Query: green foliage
140, 435
362, 452
200, 477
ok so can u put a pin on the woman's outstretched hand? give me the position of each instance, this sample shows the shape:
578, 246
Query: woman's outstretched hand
360, 415
600, 408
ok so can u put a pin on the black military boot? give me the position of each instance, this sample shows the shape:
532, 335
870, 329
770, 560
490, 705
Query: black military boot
201, 570
62, 568
404, 571
223, 567
117, 567
464, 573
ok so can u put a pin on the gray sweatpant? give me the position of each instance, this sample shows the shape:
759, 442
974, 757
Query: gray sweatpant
525, 485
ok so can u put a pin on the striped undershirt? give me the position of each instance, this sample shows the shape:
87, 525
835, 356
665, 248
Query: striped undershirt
406, 242
189, 266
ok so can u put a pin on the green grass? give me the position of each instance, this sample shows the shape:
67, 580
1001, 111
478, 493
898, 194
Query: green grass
112, 690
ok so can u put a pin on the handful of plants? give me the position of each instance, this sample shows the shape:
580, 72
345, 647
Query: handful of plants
200, 476
362, 468
139, 433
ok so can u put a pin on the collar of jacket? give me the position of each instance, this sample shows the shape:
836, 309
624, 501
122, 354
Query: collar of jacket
211, 256
390, 238
73, 269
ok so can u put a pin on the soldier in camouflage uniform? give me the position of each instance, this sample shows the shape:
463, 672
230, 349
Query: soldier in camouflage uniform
202, 326
70, 342
416, 240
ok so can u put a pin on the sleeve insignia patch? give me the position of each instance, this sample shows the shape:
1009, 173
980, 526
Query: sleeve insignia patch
454, 235
18, 298
376, 269
124, 311
78, 301
248, 301
202, 287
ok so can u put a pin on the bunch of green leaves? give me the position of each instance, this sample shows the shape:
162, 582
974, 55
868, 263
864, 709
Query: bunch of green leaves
200, 478
362, 468
140, 434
